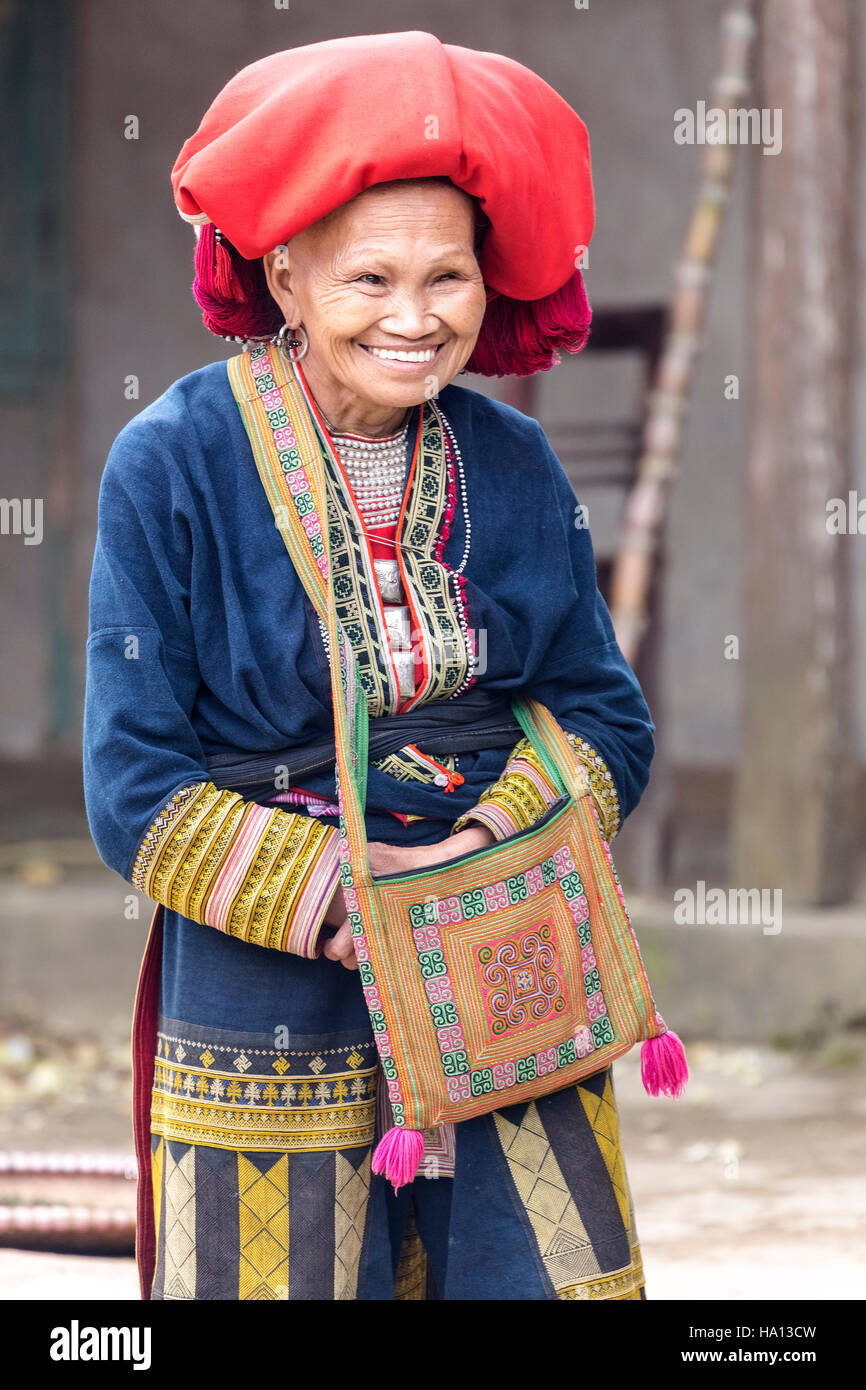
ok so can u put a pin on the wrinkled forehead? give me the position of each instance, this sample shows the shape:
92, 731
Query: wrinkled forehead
374, 213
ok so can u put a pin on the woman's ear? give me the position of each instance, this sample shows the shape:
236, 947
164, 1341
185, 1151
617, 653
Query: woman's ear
277, 265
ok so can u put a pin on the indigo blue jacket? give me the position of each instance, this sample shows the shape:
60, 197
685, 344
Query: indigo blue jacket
224, 649
202, 639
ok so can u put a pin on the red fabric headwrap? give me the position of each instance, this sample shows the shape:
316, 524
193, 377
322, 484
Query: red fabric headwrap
297, 134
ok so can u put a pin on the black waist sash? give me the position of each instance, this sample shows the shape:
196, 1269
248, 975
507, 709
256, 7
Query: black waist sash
478, 719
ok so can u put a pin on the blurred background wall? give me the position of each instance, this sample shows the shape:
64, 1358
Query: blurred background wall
95, 294
109, 276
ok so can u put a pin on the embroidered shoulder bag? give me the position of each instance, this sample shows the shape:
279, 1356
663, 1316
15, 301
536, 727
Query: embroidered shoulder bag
502, 974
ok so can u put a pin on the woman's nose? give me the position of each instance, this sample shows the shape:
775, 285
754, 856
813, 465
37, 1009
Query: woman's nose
409, 316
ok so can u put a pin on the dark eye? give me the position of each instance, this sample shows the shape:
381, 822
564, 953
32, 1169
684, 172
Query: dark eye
369, 276
448, 275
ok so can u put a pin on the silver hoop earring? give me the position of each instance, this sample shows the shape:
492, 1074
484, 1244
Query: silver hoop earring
290, 344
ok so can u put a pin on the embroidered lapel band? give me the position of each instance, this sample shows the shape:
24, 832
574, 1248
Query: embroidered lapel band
284, 427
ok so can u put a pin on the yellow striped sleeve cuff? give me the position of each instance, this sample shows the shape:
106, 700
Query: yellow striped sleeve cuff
254, 872
524, 792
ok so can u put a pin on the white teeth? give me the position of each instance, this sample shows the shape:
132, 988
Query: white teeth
423, 355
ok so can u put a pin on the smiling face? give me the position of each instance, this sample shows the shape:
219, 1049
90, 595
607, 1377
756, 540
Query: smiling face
390, 293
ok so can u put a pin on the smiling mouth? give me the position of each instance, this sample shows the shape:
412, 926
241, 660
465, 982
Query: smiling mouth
413, 355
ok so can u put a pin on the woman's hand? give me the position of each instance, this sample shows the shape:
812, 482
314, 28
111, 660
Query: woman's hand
402, 859
341, 947
338, 944
396, 859
336, 913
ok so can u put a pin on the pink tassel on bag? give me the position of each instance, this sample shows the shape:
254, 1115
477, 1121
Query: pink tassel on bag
398, 1155
663, 1066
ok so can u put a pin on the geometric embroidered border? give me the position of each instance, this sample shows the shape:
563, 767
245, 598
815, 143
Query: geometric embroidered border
259, 1227
554, 1203
237, 1098
464, 1077
601, 784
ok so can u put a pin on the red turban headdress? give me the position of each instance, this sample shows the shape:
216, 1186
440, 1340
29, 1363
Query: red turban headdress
297, 134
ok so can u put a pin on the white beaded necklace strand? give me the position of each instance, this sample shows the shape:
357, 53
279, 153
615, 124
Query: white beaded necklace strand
375, 469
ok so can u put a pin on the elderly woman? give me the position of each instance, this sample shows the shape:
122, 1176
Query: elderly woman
374, 216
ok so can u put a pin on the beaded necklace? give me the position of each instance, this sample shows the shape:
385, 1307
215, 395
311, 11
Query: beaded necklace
376, 469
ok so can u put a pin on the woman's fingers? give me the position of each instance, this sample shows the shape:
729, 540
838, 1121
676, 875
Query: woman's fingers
335, 945
341, 947
385, 858
336, 913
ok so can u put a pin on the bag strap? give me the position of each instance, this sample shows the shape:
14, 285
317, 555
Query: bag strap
549, 741
286, 453
284, 433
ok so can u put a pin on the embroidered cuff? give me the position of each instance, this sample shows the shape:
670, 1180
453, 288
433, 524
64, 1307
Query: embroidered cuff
514, 802
258, 873
497, 819
524, 792
601, 784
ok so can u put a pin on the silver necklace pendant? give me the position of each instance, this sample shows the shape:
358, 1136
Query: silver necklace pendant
390, 584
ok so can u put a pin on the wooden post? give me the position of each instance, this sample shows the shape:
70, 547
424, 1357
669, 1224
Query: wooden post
794, 795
